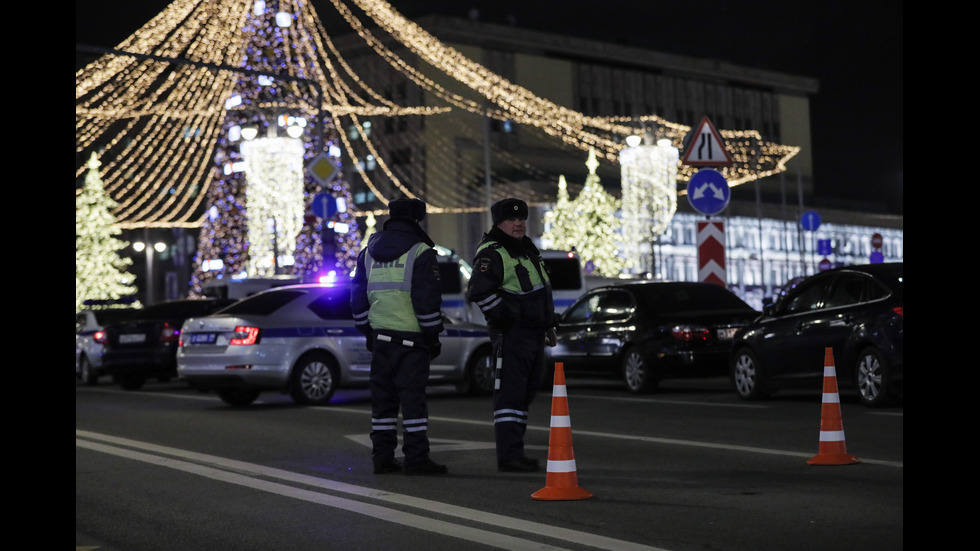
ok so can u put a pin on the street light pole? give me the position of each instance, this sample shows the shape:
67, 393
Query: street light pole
143, 245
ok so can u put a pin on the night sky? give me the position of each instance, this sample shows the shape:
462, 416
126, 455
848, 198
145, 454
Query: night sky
854, 49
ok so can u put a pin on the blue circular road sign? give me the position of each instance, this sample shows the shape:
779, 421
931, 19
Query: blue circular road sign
708, 191
324, 205
810, 220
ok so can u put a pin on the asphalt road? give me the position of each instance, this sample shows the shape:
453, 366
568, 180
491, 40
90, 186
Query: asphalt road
688, 468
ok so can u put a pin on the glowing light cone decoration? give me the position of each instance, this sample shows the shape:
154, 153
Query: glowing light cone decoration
649, 184
274, 201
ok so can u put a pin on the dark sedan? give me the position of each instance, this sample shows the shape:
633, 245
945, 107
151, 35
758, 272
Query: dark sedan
649, 331
856, 310
144, 345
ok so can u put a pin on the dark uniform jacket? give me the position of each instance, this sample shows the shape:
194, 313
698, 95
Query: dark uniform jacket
503, 309
397, 236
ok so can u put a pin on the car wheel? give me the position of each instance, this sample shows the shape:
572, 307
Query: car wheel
637, 373
479, 373
871, 378
238, 397
746, 376
314, 380
88, 375
132, 382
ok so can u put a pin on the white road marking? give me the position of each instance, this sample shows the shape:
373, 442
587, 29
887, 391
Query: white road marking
256, 476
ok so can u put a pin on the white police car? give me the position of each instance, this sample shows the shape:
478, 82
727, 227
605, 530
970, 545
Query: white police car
301, 339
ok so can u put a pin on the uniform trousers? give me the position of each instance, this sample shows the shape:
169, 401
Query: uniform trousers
519, 353
399, 375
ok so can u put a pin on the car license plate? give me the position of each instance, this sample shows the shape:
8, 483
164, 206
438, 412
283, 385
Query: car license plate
202, 338
131, 338
727, 333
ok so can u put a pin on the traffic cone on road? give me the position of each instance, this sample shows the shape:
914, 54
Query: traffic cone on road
562, 480
832, 450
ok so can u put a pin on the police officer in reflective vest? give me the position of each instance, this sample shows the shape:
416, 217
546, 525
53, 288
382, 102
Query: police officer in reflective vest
397, 300
511, 286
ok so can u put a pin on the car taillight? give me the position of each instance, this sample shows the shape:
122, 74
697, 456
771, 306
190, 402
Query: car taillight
899, 310
99, 337
686, 333
245, 335
169, 333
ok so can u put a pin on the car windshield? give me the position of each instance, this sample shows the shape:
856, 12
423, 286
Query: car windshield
687, 298
333, 304
180, 308
105, 317
263, 304
564, 273
893, 276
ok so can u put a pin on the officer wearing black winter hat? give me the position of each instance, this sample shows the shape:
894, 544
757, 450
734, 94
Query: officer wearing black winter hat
396, 298
511, 285
511, 208
409, 208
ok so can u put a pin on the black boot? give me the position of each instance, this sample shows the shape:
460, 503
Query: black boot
426, 467
389, 466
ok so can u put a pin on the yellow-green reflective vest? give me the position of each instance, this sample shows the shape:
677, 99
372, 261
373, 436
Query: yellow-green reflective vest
512, 283
389, 290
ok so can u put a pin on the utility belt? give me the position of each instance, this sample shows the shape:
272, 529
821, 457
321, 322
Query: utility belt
399, 341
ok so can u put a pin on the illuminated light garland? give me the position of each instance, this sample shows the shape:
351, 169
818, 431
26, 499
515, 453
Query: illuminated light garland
649, 196
274, 199
159, 125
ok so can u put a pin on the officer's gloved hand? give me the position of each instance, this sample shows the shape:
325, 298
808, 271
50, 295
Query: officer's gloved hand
434, 346
370, 341
551, 337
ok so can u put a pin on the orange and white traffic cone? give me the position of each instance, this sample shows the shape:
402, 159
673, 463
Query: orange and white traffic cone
832, 450
562, 480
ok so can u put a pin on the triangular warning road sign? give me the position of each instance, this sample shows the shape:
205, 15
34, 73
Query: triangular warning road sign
706, 148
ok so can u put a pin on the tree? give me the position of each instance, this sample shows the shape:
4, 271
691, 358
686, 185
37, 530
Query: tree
592, 227
255, 223
100, 273
557, 221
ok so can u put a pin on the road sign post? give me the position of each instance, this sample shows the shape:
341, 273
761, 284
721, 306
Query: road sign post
711, 253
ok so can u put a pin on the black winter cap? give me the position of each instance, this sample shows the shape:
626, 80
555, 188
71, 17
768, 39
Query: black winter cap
409, 208
505, 209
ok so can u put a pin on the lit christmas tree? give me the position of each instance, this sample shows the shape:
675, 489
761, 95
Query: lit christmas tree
557, 221
595, 226
100, 273
257, 222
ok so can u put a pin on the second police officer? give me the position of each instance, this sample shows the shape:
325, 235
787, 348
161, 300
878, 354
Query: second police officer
510, 284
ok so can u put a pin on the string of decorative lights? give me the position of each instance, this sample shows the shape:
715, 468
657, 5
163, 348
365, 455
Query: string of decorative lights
156, 125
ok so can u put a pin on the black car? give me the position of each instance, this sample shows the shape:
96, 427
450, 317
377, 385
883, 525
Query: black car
856, 310
649, 331
144, 345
